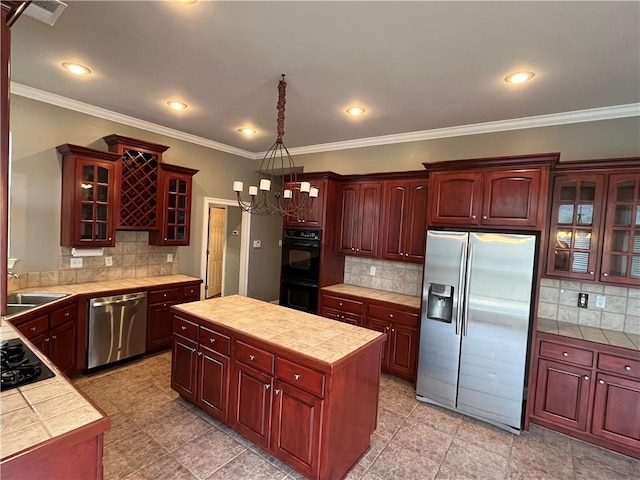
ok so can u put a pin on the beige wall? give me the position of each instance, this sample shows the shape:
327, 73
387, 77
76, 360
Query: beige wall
580, 141
232, 251
37, 128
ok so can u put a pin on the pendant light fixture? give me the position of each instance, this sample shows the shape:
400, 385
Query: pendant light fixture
295, 202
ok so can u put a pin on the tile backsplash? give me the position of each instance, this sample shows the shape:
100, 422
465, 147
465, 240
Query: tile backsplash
559, 298
397, 277
132, 257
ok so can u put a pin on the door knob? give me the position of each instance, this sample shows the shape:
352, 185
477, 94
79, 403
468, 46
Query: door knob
296, 376
627, 368
276, 391
267, 386
601, 382
586, 377
252, 357
211, 340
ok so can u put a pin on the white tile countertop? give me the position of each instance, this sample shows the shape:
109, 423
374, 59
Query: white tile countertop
374, 294
33, 414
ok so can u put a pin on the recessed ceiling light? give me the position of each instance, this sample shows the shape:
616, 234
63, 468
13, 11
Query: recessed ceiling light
186, 2
519, 77
76, 68
355, 111
177, 105
247, 131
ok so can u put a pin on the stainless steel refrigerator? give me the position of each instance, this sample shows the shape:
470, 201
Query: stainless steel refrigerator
476, 312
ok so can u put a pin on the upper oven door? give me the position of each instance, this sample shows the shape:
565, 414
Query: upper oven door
301, 260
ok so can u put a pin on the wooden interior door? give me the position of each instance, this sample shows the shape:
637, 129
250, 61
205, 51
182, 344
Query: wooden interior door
215, 252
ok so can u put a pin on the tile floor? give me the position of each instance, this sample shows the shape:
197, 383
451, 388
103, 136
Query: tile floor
156, 435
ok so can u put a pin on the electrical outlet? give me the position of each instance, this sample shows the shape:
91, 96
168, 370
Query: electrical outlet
583, 300
169, 257
372, 272
279, 243
76, 263
108, 261
601, 301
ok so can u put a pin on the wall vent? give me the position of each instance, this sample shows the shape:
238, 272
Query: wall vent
46, 11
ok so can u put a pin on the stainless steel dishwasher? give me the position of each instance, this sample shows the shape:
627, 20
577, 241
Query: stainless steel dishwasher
117, 328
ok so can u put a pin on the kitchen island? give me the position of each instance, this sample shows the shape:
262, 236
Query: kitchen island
302, 387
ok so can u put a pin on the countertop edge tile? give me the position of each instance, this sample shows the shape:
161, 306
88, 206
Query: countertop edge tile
602, 336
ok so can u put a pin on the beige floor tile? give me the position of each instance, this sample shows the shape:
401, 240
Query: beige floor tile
398, 462
439, 418
614, 461
396, 401
130, 454
424, 440
166, 468
469, 461
378, 444
174, 431
486, 436
388, 423
248, 465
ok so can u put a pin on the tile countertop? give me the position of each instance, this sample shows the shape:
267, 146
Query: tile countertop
98, 288
317, 337
598, 335
35, 413
371, 293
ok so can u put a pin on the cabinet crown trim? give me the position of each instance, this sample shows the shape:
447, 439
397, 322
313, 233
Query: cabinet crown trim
69, 149
537, 159
115, 139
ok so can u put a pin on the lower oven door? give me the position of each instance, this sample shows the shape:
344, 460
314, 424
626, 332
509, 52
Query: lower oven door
301, 260
299, 295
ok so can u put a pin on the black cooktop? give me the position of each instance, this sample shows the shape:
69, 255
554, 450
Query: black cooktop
19, 365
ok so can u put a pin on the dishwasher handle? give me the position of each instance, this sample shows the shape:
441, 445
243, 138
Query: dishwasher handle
124, 299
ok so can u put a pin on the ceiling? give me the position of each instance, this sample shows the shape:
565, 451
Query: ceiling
414, 66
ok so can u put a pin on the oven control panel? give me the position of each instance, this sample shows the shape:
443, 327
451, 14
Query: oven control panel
302, 234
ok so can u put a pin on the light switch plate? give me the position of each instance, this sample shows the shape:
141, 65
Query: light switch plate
257, 243
601, 301
108, 261
372, 271
169, 257
76, 263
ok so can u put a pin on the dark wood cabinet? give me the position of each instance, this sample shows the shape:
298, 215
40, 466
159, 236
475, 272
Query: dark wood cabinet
252, 405
138, 181
174, 206
297, 417
401, 327
314, 217
213, 388
588, 390
184, 367
404, 220
360, 218
594, 231
159, 323
56, 335
90, 197
504, 192
341, 309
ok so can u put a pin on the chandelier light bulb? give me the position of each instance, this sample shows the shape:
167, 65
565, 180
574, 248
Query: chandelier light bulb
238, 186
305, 187
313, 192
287, 194
265, 185
253, 191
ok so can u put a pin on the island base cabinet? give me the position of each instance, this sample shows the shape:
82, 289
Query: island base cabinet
252, 403
616, 410
297, 417
184, 368
213, 384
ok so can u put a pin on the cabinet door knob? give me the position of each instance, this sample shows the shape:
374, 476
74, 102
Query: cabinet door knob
267, 386
591, 273
33, 329
109, 238
627, 368
46, 339
199, 353
276, 391
211, 340
165, 238
393, 329
484, 217
183, 327
340, 303
357, 249
601, 382
54, 337
605, 274
391, 315
352, 248
66, 314
296, 376
565, 354
252, 357
586, 377
473, 216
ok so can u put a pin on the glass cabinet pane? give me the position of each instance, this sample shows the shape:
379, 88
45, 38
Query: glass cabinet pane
86, 194
87, 212
565, 214
563, 239
101, 231
568, 192
102, 194
587, 192
182, 202
622, 216
561, 260
182, 187
103, 175
625, 191
580, 262
88, 173
584, 215
583, 240
86, 231
618, 266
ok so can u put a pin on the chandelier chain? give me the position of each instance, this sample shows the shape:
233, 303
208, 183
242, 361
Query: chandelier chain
282, 92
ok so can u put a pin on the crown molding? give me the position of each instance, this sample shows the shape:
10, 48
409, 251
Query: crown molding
64, 102
578, 116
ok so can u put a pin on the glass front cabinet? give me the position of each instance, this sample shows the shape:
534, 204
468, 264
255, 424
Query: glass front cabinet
594, 230
89, 197
174, 205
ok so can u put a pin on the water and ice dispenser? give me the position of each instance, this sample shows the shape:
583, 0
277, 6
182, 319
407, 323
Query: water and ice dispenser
440, 302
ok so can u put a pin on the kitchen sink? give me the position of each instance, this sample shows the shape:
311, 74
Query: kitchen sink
13, 309
32, 299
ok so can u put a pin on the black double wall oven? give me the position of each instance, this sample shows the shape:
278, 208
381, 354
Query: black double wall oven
300, 274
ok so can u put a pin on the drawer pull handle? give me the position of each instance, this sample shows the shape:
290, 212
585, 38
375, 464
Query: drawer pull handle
46, 339
586, 377
565, 354
627, 368
267, 386
54, 337
252, 357
183, 327
199, 353
212, 340
66, 314
340, 303
296, 376
601, 382
391, 315
33, 329
277, 391
164, 295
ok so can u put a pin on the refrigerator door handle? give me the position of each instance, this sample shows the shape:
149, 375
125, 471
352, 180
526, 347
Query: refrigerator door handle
460, 288
467, 286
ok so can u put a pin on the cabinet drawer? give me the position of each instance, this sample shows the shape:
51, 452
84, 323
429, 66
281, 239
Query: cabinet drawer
343, 304
35, 327
391, 315
63, 314
191, 293
167, 295
300, 376
620, 365
215, 341
254, 357
185, 328
566, 353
